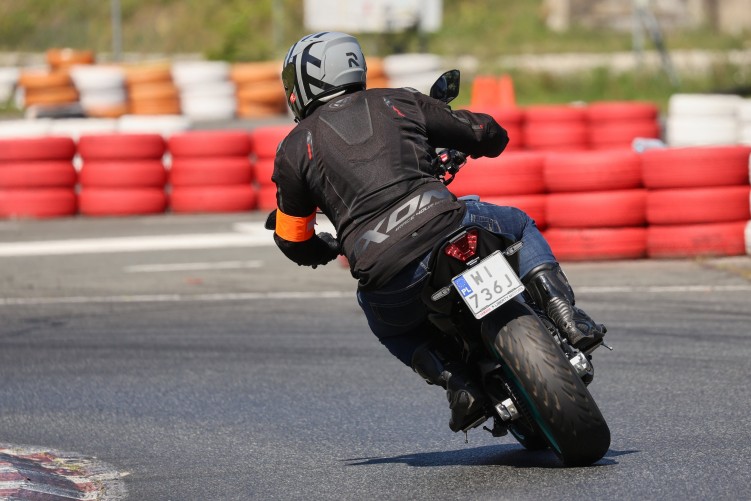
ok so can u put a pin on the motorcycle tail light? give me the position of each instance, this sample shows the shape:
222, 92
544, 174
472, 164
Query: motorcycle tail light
463, 247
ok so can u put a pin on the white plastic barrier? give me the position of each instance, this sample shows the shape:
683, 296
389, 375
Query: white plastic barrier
418, 71
166, 125
76, 127
25, 128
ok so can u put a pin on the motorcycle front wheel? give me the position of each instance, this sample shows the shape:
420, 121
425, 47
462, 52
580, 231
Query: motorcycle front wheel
553, 399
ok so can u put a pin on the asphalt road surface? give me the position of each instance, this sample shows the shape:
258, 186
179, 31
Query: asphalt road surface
196, 361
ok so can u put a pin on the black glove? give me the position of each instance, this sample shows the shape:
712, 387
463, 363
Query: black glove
330, 252
271, 221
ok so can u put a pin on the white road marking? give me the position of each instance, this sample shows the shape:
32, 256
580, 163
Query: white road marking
218, 265
317, 295
243, 235
176, 298
136, 244
657, 289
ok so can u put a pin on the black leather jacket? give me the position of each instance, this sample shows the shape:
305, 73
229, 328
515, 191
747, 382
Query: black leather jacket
364, 159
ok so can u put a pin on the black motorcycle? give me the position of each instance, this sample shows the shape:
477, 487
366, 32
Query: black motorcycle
535, 380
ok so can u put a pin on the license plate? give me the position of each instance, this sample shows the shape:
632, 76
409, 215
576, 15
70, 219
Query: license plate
488, 284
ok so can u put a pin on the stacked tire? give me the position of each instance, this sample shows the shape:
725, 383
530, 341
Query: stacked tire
744, 122
43, 87
698, 201
101, 89
8, 82
615, 124
513, 179
265, 142
555, 128
62, 59
151, 90
596, 206
377, 78
702, 120
259, 89
37, 177
206, 91
211, 171
122, 175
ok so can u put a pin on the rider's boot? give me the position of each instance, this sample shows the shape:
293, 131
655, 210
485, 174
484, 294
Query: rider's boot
550, 290
466, 401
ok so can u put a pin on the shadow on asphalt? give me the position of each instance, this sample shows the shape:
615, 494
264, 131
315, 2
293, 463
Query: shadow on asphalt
489, 455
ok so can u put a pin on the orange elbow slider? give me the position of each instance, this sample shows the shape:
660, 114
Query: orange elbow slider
293, 228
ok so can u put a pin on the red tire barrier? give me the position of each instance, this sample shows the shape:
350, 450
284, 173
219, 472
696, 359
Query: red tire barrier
597, 244
38, 148
514, 173
693, 240
267, 139
599, 209
555, 113
121, 146
123, 174
204, 171
592, 171
696, 167
264, 168
533, 205
699, 205
37, 203
555, 136
210, 143
38, 174
612, 111
121, 201
267, 197
237, 198
621, 134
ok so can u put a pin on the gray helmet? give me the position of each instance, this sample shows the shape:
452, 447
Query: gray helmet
321, 65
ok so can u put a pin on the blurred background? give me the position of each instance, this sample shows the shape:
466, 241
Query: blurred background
600, 99
614, 49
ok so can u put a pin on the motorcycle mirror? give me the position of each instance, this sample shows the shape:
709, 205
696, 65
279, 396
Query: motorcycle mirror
446, 88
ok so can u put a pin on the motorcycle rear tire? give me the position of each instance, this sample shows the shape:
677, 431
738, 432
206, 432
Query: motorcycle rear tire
551, 392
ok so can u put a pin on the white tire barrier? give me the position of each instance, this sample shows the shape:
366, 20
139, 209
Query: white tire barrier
702, 119
101, 89
8, 82
206, 91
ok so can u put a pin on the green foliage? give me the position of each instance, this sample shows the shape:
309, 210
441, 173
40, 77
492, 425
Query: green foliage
248, 30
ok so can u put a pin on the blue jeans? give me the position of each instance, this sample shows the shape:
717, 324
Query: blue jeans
395, 312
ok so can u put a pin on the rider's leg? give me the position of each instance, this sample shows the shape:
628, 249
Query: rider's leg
539, 270
397, 316
466, 400
550, 290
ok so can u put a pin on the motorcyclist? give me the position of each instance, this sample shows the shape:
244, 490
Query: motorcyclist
363, 157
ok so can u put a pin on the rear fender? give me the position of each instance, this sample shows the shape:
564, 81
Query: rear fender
438, 294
